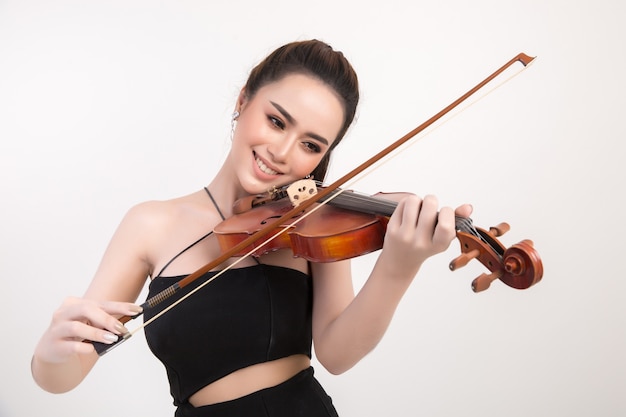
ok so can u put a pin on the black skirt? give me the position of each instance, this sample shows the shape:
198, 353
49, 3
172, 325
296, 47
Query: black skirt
299, 396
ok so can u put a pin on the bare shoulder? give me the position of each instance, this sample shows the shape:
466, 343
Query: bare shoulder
159, 229
156, 215
140, 241
151, 226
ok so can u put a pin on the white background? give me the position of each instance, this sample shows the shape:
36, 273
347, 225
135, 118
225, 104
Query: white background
104, 104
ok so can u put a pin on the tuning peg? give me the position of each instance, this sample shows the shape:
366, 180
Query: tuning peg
463, 259
483, 281
499, 230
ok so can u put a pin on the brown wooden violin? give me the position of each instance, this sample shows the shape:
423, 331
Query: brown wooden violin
352, 224
518, 266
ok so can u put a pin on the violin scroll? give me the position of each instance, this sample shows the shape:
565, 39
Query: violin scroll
519, 266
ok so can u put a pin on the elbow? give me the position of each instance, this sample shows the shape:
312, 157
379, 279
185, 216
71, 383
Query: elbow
53, 378
334, 369
335, 364
52, 388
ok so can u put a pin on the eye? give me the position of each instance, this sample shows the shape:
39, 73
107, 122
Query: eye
276, 122
312, 147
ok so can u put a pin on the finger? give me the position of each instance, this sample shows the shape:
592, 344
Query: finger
72, 331
76, 310
464, 210
411, 212
100, 319
397, 217
81, 348
445, 231
59, 350
115, 309
427, 220
120, 308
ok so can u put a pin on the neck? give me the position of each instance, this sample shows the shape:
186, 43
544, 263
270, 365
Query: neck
225, 189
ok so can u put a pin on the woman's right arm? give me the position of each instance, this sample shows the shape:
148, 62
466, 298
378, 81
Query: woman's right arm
62, 357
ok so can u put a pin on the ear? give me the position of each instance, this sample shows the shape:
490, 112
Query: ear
241, 100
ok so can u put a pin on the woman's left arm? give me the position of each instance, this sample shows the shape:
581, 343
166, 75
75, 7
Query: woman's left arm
345, 327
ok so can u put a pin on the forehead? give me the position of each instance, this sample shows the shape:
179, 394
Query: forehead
308, 99
300, 82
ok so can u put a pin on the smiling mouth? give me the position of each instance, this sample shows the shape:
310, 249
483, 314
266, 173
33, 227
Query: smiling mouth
264, 168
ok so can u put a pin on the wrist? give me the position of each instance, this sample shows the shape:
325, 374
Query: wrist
398, 270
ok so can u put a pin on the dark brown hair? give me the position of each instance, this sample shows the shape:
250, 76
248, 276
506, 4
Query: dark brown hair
319, 60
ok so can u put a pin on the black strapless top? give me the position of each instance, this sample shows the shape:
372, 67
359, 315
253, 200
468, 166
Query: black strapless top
245, 316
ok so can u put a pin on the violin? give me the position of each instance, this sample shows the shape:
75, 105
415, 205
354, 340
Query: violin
352, 224
518, 266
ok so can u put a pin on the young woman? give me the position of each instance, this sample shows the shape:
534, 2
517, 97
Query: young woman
247, 348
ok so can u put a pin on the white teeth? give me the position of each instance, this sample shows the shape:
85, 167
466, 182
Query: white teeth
265, 168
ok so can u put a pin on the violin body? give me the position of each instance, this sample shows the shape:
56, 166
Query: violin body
328, 234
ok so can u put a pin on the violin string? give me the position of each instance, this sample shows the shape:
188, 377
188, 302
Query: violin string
380, 206
340, 191
466, 225
359, 201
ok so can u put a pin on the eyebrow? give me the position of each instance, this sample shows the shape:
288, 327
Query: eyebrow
291, 120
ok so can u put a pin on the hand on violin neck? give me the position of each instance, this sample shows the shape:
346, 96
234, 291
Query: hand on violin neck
417, 230
464, 210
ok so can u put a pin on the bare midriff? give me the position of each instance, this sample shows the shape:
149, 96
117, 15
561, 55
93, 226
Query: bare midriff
250, 379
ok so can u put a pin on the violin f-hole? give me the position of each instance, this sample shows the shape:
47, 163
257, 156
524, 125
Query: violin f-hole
269, 219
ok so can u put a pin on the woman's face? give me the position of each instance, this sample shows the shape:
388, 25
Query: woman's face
284, 131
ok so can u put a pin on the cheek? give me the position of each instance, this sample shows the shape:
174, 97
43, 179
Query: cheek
305, 169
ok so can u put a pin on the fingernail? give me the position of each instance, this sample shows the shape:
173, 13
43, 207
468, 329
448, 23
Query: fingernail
136, 309
120, 327
110, 337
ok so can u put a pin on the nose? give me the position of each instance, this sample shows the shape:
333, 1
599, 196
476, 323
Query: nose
280, 148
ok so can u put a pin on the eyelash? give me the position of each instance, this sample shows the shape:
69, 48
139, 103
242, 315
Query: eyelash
310, 146
276, 122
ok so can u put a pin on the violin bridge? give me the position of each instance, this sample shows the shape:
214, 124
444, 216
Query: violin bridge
301, 190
